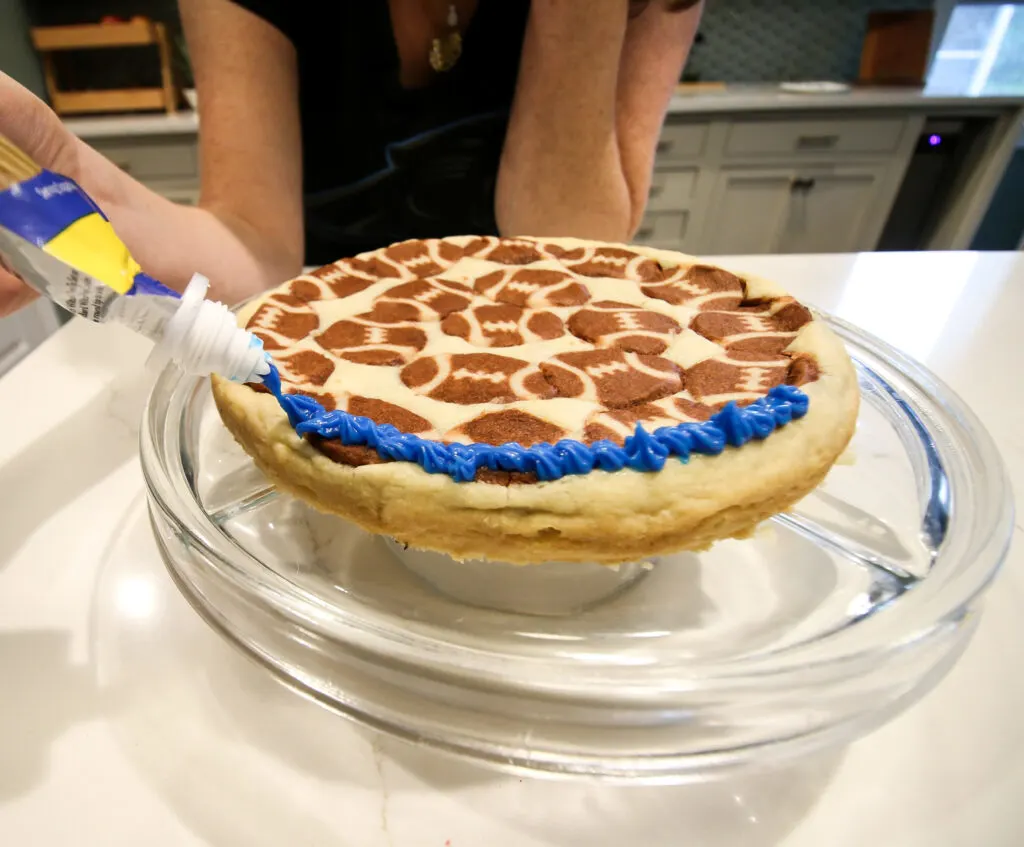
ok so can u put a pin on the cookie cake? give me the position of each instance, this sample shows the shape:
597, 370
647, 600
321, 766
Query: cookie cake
531, 400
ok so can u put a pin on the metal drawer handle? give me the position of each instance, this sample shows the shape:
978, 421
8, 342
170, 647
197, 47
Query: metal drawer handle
656, 190
802, 184
663, 146
646, 232
817, 142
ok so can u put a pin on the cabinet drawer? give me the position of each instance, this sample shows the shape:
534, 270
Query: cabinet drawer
813, 138
681, 141
666, 229
671, 190
153, 158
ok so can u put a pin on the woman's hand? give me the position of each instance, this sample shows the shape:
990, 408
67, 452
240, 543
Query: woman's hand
31, 125
246, 233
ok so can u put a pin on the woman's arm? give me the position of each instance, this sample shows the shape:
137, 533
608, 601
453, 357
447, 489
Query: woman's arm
246, 234
250, 139
592, 92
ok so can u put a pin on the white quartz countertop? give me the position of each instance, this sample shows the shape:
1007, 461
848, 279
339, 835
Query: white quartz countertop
125, 720
771, 98
738, 98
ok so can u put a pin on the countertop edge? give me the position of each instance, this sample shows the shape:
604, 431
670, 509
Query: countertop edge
737, 99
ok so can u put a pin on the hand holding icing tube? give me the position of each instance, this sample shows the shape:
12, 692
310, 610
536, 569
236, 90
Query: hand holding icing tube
56, 239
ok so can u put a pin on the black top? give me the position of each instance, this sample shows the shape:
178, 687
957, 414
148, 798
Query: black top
382, 163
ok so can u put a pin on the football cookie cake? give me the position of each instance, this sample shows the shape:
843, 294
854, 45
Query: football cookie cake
531, 400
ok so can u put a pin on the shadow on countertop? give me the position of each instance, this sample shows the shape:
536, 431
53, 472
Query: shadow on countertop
70, 458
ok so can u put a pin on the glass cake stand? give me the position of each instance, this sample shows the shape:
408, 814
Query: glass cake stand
826, 623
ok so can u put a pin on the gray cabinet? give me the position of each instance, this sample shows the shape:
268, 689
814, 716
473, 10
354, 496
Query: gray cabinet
791, 210
747, 211
831, 212
664, 229
776, 183
809, 137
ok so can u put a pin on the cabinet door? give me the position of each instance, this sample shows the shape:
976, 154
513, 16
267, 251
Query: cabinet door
25, 330
664, 229
828, 211
748, 211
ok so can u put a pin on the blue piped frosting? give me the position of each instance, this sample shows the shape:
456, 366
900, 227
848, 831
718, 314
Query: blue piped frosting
642, 451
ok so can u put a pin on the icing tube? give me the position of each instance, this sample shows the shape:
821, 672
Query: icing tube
56, 239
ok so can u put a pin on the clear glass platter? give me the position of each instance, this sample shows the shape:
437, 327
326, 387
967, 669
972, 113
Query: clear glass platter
830, 620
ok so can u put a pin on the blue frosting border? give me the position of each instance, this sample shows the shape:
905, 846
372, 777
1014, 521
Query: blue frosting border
642, 451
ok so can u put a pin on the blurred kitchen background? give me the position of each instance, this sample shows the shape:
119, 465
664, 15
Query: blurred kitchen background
800, 126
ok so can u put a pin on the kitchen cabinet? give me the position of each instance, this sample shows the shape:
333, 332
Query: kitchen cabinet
666, 230
791, 210
671, 189
830, 213
747, 211
807, 138
681, 141
776, 184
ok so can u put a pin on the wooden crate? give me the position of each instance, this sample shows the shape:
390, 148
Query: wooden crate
134, 33
896, 48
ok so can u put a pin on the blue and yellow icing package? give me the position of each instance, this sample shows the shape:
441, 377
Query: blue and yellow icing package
55, 238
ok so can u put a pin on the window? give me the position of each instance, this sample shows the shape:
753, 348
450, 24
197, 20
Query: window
982, 51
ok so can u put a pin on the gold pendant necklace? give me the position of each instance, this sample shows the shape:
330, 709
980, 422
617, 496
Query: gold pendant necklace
445, 52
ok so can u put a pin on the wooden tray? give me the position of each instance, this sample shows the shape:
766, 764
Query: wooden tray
134, 33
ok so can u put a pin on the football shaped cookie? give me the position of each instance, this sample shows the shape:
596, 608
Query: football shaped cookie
533, 400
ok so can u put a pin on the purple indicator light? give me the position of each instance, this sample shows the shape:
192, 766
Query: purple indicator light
934, 140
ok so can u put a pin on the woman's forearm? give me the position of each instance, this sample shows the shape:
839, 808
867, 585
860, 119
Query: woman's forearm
561, 171
246, 234
173, 241
588, 110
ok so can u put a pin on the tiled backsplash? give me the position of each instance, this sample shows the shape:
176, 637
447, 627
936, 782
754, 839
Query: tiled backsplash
772, 40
